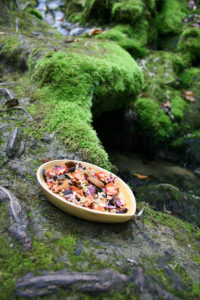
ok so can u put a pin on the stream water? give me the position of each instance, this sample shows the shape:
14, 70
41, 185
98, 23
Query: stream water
53, 12
132, 165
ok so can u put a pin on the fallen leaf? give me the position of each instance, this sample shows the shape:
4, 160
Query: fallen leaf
143, 95
140, 176
94, 31
61, 19
189, 95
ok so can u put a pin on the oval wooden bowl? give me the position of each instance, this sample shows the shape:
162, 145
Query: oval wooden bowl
86, 213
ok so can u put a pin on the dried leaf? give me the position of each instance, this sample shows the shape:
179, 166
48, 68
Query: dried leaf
94, 31
61, 19
140, 176
189, 95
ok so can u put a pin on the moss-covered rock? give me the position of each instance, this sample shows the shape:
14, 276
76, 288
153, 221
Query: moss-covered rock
70, 82
189, 45
74, 10
127, 11
190, 77
167, 197
97, 11
169, 18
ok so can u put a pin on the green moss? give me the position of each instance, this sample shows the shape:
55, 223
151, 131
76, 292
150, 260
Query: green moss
129, 39
35, 12
127, 11
189, 76
74, 10
97, 11
184, 232
72, 82
169, 19
9, 51
173, 277
152, 118
178, 107
189, 45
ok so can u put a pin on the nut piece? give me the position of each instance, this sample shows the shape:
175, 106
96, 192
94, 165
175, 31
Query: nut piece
96, 182
65, 185
88, 173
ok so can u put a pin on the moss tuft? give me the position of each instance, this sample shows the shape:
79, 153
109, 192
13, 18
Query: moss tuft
189, 76
131, 40
127, 11
169, 19
152, 118
189, 45
35, 12
70, 83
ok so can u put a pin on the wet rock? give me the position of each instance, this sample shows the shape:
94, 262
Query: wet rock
166, 197
14, 143
18, 218
78, 250
20, 233
20, 168
48, 283
190, 152
6, 94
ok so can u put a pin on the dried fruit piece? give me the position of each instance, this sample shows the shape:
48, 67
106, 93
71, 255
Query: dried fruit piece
96, 182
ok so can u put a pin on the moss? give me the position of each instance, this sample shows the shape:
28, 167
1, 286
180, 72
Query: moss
189, 45
124, 36
169, 19
74, 10
35, 12
127, 11
173, 277
152, 118
189, 76
107, 81
160, 75
184, 232
97, 11
178, 107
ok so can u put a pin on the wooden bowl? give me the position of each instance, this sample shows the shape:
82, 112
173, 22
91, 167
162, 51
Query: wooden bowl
86, 213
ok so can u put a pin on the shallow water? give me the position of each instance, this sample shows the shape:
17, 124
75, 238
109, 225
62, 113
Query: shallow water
53, 13
156, 170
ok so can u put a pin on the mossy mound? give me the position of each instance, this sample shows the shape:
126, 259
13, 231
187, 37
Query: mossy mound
70, 81
190, 77
160, 72
169, 18
127, 11
85, 81
189, 45
132, 40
